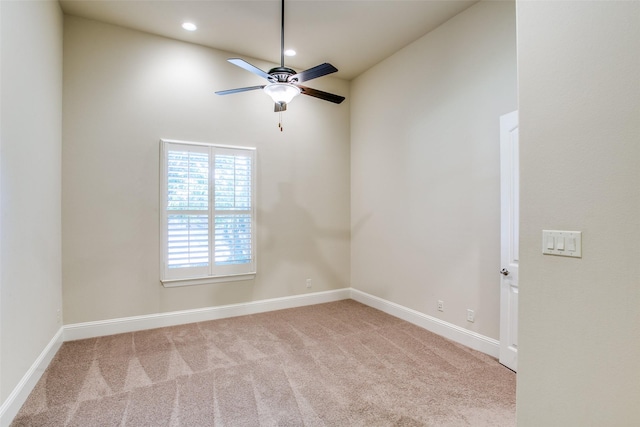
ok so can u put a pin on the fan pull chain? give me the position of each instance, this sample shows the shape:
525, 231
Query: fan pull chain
280, 121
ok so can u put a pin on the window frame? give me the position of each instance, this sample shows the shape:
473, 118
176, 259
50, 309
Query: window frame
211, 273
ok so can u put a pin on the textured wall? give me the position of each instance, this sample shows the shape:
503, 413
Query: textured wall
123, 91
579, 88
30, 141
425, 168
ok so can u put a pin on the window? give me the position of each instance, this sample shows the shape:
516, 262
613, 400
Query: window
207, 214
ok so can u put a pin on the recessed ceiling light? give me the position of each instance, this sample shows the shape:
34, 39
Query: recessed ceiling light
189, 26
290, 52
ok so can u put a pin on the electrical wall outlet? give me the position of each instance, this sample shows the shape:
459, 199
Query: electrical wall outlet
308, 284
471, 315
440, 305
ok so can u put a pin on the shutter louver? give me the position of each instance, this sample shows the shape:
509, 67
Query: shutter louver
233, 204
188, 181
188, 206
188, 241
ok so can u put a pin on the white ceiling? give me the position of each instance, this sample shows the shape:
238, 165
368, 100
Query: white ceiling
353, 35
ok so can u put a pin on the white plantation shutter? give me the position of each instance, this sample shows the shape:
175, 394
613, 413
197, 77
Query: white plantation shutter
188, 209
232, 208
208, 221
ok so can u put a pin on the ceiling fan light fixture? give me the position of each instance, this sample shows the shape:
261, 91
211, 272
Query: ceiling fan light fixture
282, 93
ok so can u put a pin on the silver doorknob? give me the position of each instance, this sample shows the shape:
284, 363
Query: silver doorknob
504, 272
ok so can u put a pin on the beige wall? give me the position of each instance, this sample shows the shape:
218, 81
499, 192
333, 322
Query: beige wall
30, 141
579, 109
123, 91
425, 168
579, 96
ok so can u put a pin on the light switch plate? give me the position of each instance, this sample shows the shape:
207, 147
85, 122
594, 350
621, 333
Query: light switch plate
562, 243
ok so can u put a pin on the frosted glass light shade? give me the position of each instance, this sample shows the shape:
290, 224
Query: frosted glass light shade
281, 93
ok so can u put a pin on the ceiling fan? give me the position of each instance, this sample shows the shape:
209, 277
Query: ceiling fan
284, 83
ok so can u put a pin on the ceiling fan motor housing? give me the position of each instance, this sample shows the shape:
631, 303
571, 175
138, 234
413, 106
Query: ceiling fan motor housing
282, 74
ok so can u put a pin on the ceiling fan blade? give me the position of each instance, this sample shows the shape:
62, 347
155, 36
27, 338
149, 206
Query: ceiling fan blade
252, 68
337, 99
240, 89
314, 73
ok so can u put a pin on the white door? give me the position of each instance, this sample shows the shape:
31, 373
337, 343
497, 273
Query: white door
510, 233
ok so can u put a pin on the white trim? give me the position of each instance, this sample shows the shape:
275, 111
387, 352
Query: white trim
206, 144
20, 393
448, 330
174, 283
16, 399
138, 323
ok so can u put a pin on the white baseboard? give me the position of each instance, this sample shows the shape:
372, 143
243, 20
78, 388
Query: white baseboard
448, 330
16, 399
20, 393
138, 323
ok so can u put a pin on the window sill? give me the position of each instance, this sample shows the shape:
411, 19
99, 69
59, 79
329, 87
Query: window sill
174, 283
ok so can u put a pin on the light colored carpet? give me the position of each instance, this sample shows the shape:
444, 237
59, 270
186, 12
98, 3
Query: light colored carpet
335, 364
